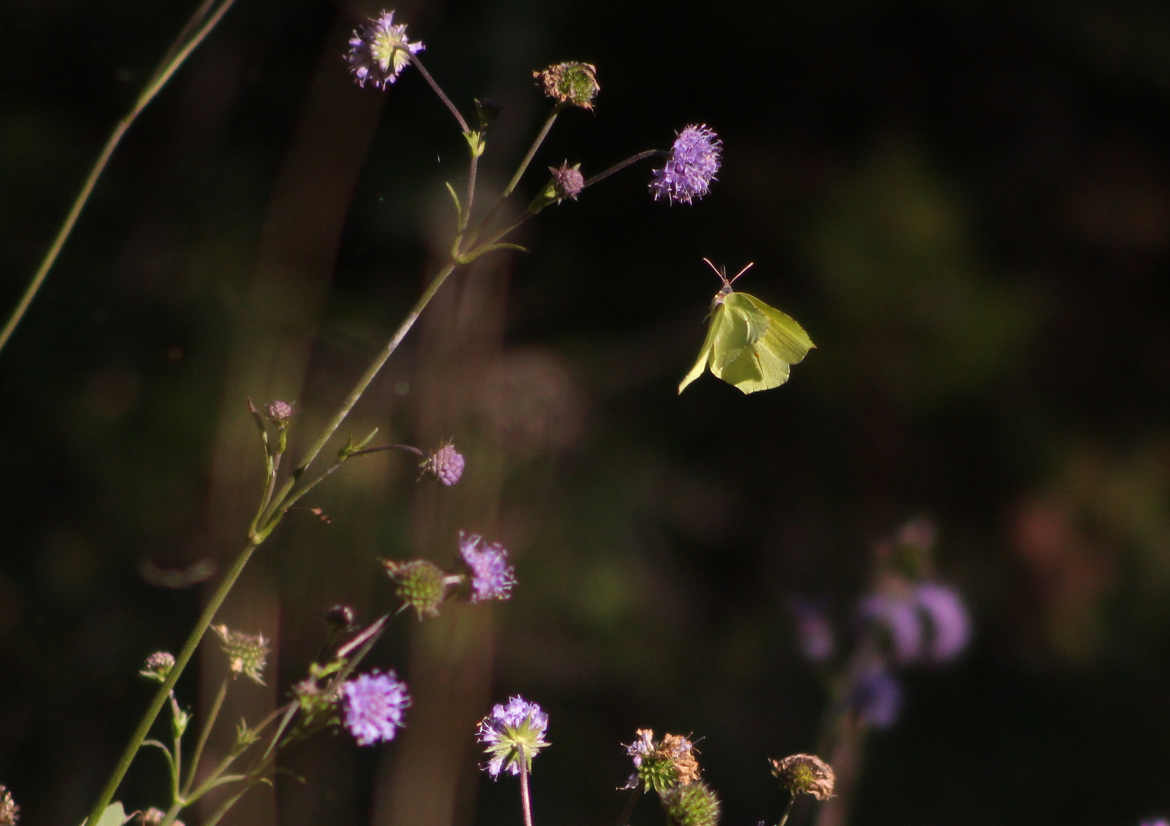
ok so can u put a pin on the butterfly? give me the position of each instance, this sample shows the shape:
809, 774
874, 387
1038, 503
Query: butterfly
749, 344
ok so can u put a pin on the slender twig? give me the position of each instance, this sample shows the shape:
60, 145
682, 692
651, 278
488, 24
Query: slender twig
177, 54
544, 130
204, 733
160, 697
620, 165
463, 127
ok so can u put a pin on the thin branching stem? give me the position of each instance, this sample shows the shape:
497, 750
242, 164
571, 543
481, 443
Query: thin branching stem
438, 90
179, 51
204, 733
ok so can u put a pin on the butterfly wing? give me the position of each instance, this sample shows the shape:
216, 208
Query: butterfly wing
775, 342
718, 318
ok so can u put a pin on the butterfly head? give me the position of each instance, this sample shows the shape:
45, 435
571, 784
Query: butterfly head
726, 289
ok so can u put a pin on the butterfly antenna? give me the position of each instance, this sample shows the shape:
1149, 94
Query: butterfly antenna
721, 273
746, 267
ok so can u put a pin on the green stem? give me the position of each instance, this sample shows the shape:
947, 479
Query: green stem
520, 170
275, 510
216, 705
160, 697
787, 811
157, 81
418, 64
620, 165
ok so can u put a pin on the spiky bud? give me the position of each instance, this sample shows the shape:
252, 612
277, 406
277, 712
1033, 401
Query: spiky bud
421, 585
247, 654
694, 804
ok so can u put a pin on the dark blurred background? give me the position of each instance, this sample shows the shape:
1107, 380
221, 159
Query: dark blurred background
967, 206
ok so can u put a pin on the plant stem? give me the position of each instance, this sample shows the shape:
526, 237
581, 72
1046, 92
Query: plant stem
276, 509
418, 64
620, 165
216, 705
520, 170
160, 697
787, 810
525, 803
153, 86
628, 808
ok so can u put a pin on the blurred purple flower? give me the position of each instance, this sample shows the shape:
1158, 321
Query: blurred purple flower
814, 632
876, 697
899, 615
949, 622
1158, 821
491, 575
512, 735
373, 705
694, 159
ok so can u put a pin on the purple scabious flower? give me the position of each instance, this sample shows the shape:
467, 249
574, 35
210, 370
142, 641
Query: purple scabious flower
898, 615
491, 575
445, 464
876, 697
813, 630
373, 705
949, 622
690, 169
379, 51
512, 735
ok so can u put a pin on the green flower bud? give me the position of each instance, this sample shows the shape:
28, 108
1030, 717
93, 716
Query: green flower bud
695, 804
158, 666
421, 585
247, 654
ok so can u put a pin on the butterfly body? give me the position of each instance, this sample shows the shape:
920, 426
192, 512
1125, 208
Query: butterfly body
750, 344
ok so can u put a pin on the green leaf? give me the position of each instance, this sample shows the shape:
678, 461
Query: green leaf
114, 815
750, 345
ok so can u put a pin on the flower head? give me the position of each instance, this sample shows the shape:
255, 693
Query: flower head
805, 774
567, 181
279, 412
662, 765
949, 623
379, 51
445, 464
158, 666
876, 697
813, 630
422, 585
895, 611
247, 653
373, 705
694, 804
9, 811
690, 169
491, 575
512, 735
573, 83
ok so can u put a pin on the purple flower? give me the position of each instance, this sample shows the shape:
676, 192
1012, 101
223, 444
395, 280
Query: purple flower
491, 575
445, 464
1158, 821
373, 705
512, 735
379, 51
950, 625
690, 169
898, 614
813, 630
876, 697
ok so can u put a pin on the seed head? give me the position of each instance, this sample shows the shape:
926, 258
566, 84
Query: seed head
804, 774
571, 83
422, 585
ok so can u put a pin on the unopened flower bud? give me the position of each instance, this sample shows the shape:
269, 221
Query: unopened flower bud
158, 666
445, 464
571, 83
421, 585
567, 180
804, 774
340, 617
279, 412
247, 654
